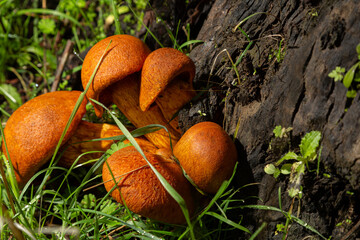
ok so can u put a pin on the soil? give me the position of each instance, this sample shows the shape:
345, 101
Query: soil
283, 80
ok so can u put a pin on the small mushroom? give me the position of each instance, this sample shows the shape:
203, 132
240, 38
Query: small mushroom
80, 142
166, 79
33, 131
117, 80
139, 188
207, 154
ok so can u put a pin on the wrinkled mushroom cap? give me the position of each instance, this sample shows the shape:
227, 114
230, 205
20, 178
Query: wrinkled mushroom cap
125, 56
34, 129
140, 188
160, 68
207, 154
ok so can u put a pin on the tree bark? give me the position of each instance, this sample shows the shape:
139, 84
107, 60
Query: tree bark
311, 38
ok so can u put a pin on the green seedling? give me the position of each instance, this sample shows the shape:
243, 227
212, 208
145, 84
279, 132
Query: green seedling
201, 113
337, 74
308, 154
11, 95
280, 133
351, 79
313, 12
278, 53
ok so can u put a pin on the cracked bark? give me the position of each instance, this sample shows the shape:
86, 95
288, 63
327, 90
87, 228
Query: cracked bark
297, 92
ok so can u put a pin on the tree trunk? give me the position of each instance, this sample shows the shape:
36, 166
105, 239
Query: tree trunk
283, 80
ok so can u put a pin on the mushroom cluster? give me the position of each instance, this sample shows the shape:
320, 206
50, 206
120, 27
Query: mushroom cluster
136, 81
148, 88
205, 153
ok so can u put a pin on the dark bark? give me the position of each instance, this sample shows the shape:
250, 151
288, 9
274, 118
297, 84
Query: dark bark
294, 92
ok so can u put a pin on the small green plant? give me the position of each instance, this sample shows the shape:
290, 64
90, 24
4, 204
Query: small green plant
313, 12
201, 113
346, 221
278, 53
337, 74
290, 218
279, 134
351, 79
308, 154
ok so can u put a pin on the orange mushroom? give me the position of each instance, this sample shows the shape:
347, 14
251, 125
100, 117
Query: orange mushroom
139, 188
117, 80
207, 154
167, 80
80, 142
32, 132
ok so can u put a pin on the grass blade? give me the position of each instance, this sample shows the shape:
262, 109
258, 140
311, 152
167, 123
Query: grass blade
116, 16
50, 12
142, 232
294, 218
228, 221
263, 225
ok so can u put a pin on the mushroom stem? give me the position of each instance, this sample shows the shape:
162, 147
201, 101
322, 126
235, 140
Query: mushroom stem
125, 94
180, 90
81, 142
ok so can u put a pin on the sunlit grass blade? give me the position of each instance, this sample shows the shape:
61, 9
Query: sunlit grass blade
258, 231
116, 17
187, 43
294, 218
142, 232
219, 194
135, 133
50, 12
228, 221
9, 166
243, 53
13, 191
162, 180
146, 27
247, 18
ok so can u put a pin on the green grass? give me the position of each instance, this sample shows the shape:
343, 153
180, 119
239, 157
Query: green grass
73, 209
64, 202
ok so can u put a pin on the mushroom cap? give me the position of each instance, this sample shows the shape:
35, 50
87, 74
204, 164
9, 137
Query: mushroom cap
33, 131
125, 56
140, 188
160, 68
207, 154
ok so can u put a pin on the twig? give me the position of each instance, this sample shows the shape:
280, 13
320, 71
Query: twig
60, 69
352, 230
